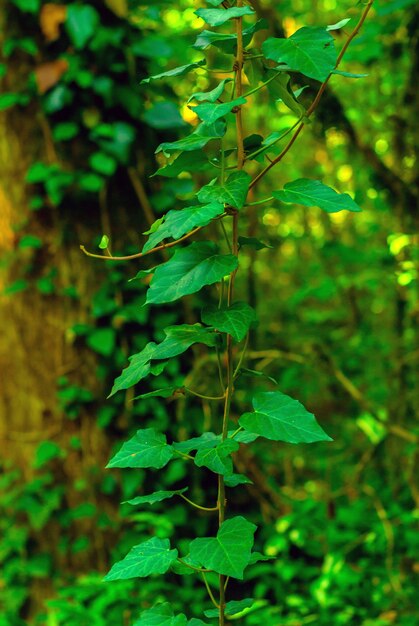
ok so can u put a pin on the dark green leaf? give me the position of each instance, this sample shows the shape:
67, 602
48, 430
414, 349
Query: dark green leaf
232, 192
203, 442
147, 448
216, 17
234, 320
310, 51
314, 193
177, 71
164, 115
179, 222
280, 89
256, 557
185, 162
152, 498
232, 607
178, 340
188, 271
252, 242
229, 552
210, 96
227, 43
81, 23
150, 557
236, 479
281, 418
218, 459
195, 141
210, 113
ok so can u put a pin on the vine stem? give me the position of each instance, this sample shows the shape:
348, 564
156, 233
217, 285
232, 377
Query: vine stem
317, 99
238, 68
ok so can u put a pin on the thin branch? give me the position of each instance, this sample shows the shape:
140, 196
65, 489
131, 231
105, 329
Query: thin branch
138, 255
317, 99
198, 506
200, 395
211, 595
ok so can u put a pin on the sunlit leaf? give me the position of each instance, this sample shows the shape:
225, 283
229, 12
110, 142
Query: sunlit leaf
314, 193
147, 448
216, 17
338, 25
150, 557
310, 51
210, 113
229, 552
281, 418
188, 271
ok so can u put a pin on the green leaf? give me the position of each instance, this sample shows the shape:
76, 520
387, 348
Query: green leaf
227, 43
45, 452
234, 320
229, 552
147, 448
218, 459
188, 271
81, 23
216, 17
162, 615
152, 498
310, 51
104, 242
338, 25
280, 89
102, 341
178, 340
150, 557
232, 607
166, 392
232, 192
179, 222
314, 193
281, 418
210, 96
177, 71
348, 74
233, 480
103, 163
197, 140
256, 557
185, 162
163, 115
210, 113
252, 242
203, 442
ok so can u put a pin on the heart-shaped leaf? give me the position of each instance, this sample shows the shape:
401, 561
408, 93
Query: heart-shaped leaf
232, 192
151, 557
147, 448
234, 320
314, 193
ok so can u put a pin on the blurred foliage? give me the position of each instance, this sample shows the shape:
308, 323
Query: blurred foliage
336, 299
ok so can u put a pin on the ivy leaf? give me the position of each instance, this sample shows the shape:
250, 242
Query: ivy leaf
147, 448
188, 271
177, 71
218, 459
104, 242
210, 113
210, 96
178, 223
197, 140
185, 162
166, 392
178, 340
217, 17
256, 557
348, 74
226, 42
234, 320
232, 192
161, 615
314, 193
252, 242
233, 480
281, 418
231, 608
152, 498
81, 23
150, 557
280, 89
229, 552
203, 442
310, 51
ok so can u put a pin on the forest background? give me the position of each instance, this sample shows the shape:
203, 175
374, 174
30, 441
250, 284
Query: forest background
335, 295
